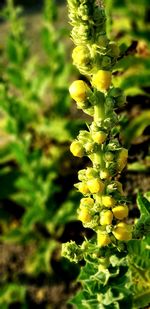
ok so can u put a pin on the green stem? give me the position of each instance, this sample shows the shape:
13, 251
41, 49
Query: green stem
99, 112
98, 159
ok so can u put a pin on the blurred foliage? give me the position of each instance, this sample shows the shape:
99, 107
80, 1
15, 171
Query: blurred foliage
129, 25
139, 255
36, 127
139, 252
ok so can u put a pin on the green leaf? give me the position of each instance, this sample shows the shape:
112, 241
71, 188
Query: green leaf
32, 215
147, 195
142, 227
58, 130
6, 153
138, 167
139, 266
137, 126
7, 182
12, 236
77, 300
15, 76
67, 210
39, 260
143, 205
12, 50
12, 293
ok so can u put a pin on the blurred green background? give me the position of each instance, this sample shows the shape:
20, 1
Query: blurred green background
38, 121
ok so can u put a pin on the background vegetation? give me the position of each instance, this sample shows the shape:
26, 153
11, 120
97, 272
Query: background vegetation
37, 123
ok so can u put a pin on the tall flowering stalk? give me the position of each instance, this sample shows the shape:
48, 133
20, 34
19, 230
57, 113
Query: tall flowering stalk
104, 207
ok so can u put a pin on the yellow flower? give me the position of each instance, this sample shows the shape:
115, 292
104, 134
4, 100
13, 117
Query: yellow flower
78, 90
77, 149
120, 211
106, 217
83, 188
123, 231
84, 215
87, 201
108, 201
99, 137
103, 239
81, 55
102, 80
95, 185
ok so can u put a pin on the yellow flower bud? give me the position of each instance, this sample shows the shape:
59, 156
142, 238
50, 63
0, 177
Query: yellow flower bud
106, 217
120, 212
87, 201
84, 215
77, 149
78, 90
122, 159
95, 185
99, 137
122, 232
108, 201
103, 239
81, 55
83, 188
101, 80
125, 226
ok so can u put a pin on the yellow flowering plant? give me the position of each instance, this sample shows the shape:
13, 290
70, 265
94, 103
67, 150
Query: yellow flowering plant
107, 278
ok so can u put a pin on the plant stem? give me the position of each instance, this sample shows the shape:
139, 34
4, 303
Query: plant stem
99, 112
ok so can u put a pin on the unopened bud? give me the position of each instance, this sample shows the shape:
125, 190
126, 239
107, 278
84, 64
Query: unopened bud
108, 201
102, 80
87, 202
83, 188
122, 231
95, 185
103, 239
120, 212
106, 217
77, 149
81, 57
79, 90
99, 137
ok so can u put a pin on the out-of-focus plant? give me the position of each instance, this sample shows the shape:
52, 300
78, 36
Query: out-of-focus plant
116, 270
34, 134
129, 23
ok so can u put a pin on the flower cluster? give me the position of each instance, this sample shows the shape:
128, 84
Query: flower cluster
93, 51
103, 207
